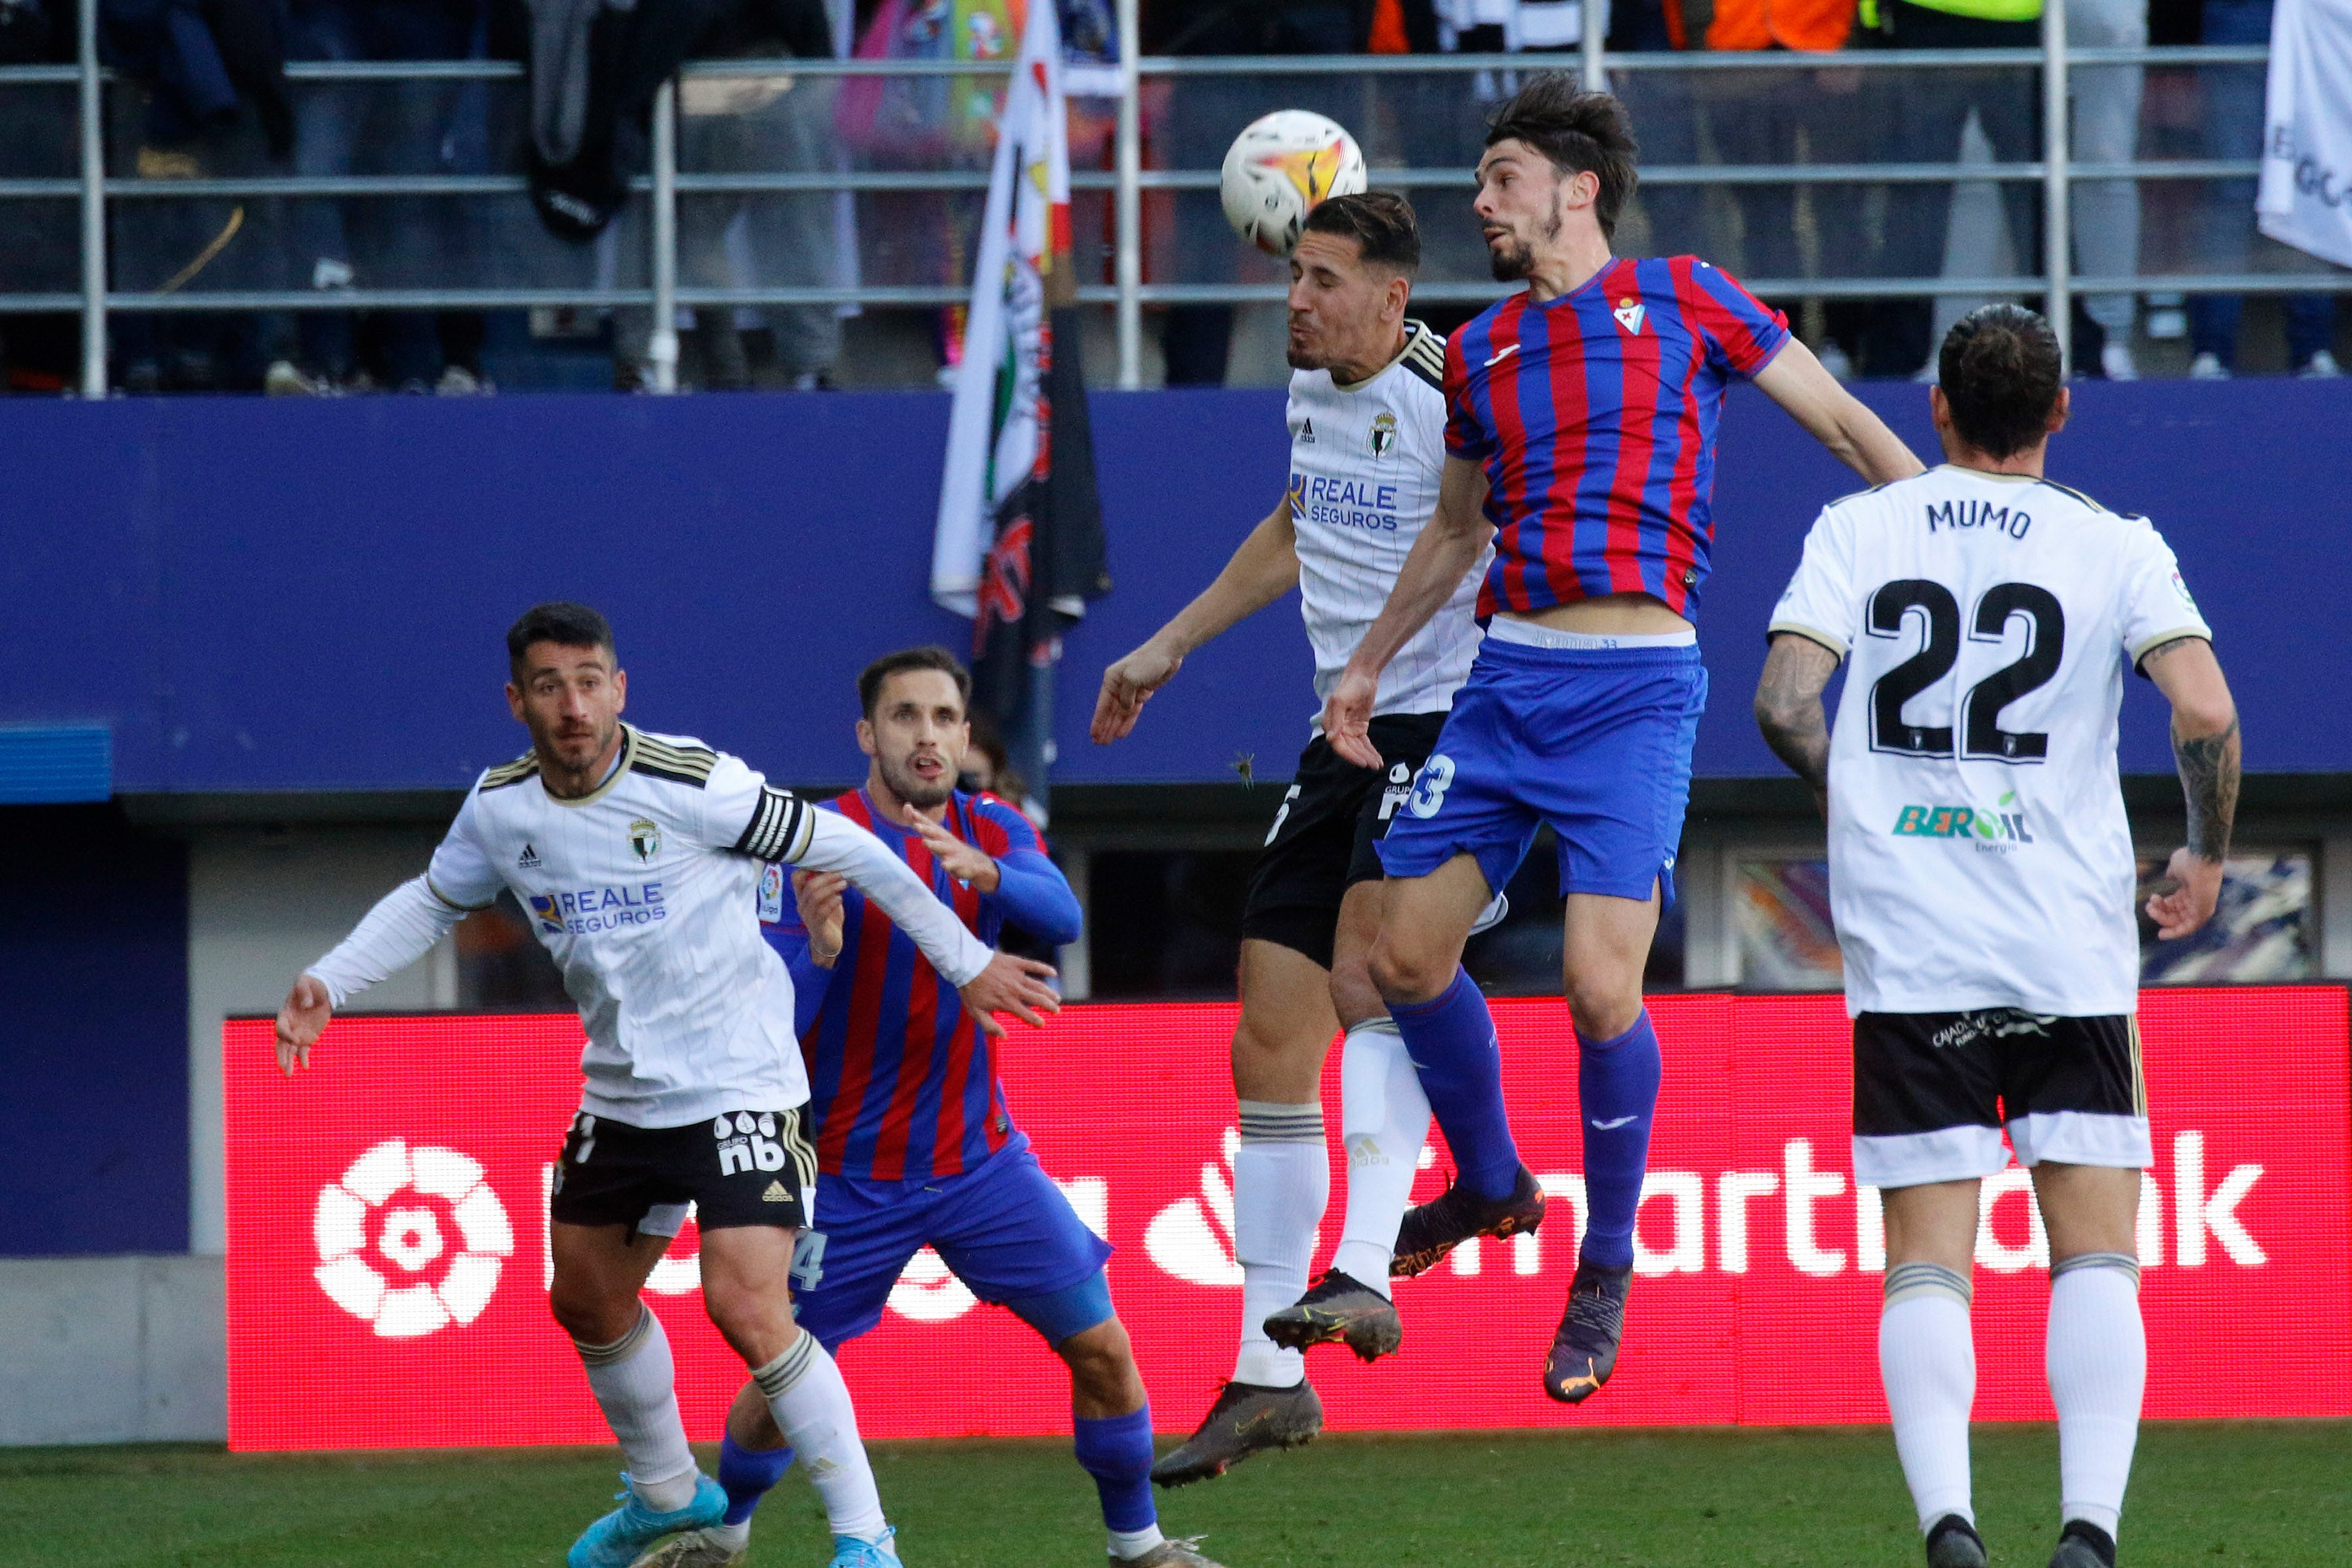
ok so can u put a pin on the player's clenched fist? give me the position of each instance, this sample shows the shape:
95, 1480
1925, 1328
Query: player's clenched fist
1347, 718
1010, 984
301, 1019
1127, 685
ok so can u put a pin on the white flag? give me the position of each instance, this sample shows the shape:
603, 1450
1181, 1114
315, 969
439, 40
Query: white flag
994, 444
2306, 188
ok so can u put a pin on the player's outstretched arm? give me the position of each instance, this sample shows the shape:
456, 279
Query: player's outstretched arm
1789, 709
1261, 571
1445, 552
2206, 748
1836, 418
990, 982
405, 925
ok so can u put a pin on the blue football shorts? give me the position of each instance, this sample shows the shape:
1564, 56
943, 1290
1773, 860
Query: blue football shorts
1597, 743
1003, 1228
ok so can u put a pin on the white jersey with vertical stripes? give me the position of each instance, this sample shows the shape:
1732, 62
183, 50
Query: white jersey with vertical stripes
1979, 856
646, 893
1365, 462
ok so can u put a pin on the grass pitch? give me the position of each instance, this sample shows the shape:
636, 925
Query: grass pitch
2208, 1494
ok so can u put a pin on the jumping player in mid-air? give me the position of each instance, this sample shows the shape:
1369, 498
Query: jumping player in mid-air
1981, 873
637, 856
1581, 432
914, 1143
1367, 444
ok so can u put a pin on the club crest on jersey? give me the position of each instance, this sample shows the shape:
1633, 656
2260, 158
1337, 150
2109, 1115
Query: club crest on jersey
644, 841
1384, 434
1629, 313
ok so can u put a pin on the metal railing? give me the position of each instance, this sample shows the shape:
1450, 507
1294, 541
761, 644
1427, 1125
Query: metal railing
2055, 171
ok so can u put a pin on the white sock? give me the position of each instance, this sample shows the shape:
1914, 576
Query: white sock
2098, 1367
1383, 1122
1282, 1180
1126, 1545
633, 1381
811, 1404
1927, 1360
733, 1536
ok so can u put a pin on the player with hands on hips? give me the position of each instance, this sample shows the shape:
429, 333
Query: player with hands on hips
637, 858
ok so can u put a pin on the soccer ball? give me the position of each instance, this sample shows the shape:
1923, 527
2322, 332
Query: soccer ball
1278, 168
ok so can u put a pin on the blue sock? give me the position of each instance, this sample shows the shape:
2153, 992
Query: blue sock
1117, 1451
1452, 1043
748, 1474
1617, 1090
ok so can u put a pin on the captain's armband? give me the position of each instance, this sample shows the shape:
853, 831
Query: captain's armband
781, 825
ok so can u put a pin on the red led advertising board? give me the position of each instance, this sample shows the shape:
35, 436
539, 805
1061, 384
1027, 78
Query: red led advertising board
387, 1260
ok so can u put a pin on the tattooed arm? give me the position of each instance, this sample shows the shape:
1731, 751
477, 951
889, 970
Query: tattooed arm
2205, 747
1789, 709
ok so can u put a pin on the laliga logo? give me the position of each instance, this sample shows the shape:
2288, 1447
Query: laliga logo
1192, 1238
409, 1237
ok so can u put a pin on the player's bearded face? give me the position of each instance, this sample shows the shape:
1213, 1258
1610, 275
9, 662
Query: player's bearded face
918, 736
571, 700
1512, 237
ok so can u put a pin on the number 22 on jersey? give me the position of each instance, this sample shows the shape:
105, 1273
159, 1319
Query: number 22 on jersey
1980, 736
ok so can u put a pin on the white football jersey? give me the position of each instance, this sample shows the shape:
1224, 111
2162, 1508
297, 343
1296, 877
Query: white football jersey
1365, 461
644, 892
1979, 856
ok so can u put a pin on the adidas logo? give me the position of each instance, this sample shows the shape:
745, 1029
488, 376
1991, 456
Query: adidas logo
1307, 433
1192, 1238
528, 860
775, 1193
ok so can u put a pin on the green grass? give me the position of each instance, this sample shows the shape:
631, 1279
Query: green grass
2206, 1494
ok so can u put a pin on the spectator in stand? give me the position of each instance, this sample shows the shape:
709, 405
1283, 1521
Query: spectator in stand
39, 241
2234, 128
750, 124
2107, 131
376, 242
1927, 110
208, 100
1660, 101
1204, 114
1795, 117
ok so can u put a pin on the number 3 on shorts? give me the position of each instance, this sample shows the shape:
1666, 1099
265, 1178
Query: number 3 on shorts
1429, 787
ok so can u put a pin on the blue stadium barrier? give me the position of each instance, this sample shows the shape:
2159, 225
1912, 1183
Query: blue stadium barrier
262, 595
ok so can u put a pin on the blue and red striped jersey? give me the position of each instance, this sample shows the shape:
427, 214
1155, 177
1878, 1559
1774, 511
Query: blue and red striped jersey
1594, 417
902, 1084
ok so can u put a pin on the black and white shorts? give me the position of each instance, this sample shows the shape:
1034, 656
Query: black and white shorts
742, 1168
1321, 843
1932, 1092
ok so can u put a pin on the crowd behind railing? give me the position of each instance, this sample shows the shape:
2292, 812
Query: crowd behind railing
335, 196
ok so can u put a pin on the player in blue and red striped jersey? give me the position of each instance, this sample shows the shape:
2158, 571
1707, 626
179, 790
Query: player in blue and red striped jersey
1581, 417
914, 1143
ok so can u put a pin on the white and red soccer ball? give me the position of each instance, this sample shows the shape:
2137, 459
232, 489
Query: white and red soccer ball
1280, 167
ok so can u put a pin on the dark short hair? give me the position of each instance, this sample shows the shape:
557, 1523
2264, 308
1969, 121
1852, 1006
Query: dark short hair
1380, 221
1578, 132
2002, 373
561, 622
870, 681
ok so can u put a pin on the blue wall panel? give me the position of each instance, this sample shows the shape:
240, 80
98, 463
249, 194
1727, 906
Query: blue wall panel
94, 1035
293, 595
